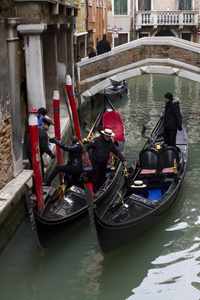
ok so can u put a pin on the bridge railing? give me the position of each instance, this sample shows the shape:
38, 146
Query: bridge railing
156, 18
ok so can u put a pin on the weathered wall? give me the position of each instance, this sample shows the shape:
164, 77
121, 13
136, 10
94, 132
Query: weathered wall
6, 160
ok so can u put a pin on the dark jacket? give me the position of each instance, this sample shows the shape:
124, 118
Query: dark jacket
172, 115
103, 46
43, 141
101, 150
75, 153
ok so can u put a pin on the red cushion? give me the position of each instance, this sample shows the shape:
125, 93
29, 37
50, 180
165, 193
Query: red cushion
168, 170
148, 171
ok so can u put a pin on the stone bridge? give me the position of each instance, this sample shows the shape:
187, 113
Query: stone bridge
164, 55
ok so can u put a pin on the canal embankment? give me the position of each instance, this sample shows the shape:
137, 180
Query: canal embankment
13, 208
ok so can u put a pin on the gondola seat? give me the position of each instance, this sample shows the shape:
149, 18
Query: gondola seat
167, 157
148, 159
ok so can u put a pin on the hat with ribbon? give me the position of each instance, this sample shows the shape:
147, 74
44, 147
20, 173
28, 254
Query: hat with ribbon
107, 132
138, 184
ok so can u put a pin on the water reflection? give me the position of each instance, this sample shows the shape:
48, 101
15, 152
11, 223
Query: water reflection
91, 270
162, 264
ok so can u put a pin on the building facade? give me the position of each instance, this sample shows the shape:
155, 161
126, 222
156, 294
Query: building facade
142, 18
37, 46
178, 18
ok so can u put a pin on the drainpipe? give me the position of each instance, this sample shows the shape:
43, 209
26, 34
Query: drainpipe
99, 22
104, 31
86, 21
133, 19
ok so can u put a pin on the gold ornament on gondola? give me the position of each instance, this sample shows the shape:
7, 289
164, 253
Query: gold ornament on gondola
112, 164
175, 167
125, 171
121, 198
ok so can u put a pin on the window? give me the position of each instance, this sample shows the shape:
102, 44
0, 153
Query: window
141, 35
185, 5
144, 4
186, 36
122, 39
120, 7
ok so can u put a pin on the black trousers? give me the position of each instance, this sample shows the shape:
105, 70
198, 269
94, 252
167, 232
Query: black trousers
99, 175
75, 171
170, 137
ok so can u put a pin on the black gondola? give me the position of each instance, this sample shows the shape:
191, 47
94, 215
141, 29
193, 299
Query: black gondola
148, 193
113, 92
66, 209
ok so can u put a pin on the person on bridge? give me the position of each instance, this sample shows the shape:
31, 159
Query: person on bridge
172, 119
75, 148
101, 147
91, 52
103, 46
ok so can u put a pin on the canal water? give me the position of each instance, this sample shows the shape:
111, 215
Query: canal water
162, 264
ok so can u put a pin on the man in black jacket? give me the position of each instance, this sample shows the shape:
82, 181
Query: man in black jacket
172, 119
103, 46
75, 149
101, 147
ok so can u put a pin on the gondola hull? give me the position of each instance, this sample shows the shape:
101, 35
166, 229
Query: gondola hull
112, 93
139, 208
115, 236
62, 215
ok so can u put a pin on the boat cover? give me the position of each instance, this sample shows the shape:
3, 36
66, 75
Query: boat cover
112, 120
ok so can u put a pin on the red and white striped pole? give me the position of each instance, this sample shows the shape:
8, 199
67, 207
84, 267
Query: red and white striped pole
73, 106
35, 151
56, 111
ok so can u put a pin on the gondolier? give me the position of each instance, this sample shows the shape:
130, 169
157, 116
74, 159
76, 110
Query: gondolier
101, 147
172, 119
74, 165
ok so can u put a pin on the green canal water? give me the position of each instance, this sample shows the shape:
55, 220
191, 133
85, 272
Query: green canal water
162, 264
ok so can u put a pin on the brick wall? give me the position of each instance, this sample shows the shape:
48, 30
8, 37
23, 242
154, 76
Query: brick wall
183, 54
6, 157
6, 162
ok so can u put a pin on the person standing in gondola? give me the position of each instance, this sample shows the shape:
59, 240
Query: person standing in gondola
172, 119
101, 147
75, 149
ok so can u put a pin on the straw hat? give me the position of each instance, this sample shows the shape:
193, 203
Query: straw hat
107, 132
138, 184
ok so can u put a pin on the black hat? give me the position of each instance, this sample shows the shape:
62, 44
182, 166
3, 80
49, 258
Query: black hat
169, 96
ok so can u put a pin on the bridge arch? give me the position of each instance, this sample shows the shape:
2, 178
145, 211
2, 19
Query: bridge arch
162, 55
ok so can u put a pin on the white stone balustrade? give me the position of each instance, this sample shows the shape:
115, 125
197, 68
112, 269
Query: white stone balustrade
179, 18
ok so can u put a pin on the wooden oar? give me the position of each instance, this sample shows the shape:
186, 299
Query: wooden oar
92, 128
70, 117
